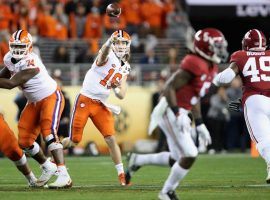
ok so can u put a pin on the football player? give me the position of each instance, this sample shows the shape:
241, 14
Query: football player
252, 64
109, 71
24, 69
182, 95
10, 148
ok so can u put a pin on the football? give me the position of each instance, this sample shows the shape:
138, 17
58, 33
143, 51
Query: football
113, 10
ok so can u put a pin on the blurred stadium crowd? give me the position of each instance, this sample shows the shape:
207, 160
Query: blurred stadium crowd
71, 31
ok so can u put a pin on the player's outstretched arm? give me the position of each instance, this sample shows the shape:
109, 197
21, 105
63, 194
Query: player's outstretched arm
5, 73
177, 80
226, 76
120, 91
18, 79
104, 51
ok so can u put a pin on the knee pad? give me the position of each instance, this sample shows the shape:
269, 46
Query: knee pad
192, 153
54, 146
21, 162
33, 150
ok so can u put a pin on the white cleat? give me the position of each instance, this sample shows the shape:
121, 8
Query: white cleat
67, 143
33, 183
268, 175
47, 173
62, 181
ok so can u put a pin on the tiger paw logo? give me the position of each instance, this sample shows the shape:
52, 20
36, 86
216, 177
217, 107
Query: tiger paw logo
122, 122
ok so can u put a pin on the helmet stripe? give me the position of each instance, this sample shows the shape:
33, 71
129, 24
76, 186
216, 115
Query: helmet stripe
18, 34
260, 37
121, 33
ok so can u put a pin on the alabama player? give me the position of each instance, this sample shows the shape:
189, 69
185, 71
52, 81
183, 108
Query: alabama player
252, 64
109, 71
45, 103
10, 148
173, 113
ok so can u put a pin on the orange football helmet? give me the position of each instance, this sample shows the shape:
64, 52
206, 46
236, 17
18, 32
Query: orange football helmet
121, 43
20, 44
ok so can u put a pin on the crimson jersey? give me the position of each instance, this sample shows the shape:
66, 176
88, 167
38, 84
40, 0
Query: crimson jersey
254, 70
203, 73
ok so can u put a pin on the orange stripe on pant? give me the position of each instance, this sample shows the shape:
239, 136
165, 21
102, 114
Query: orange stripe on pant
8, 142
100, 115
44, 116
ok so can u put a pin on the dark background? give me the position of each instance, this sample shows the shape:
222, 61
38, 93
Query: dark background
225, 19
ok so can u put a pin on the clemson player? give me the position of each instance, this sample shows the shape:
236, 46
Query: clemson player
109, 70
10, 148
45, 103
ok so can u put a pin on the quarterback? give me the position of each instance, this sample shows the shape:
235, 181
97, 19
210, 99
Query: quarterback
109, 71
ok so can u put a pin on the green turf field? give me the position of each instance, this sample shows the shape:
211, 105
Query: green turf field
217, 177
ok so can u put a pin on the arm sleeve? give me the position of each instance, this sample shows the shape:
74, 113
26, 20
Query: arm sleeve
224, 77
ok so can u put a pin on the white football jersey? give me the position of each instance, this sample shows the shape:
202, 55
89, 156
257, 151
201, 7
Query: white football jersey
98, 79
38, 87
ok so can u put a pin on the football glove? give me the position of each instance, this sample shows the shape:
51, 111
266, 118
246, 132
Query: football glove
204, 134
235, 106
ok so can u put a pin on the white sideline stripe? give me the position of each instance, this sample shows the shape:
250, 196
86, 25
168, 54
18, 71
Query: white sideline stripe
182, 186
150, 186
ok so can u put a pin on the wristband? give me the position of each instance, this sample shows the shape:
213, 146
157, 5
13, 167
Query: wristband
175, 110
108, 43
198, 121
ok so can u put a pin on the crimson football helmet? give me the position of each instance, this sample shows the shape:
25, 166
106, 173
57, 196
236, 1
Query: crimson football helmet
211, 44
20, 44
254, 40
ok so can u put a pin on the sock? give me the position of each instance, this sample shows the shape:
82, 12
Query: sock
61, 169
176, 175
31, 177
119, 168
47, 163
161, 158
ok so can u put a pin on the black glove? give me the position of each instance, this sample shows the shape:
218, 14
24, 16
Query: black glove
236, 105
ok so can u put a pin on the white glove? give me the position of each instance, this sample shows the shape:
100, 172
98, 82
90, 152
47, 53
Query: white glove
183, 122
204, 134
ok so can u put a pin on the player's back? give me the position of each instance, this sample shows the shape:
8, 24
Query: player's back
254, 68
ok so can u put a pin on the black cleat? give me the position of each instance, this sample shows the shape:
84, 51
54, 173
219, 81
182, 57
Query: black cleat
168, 196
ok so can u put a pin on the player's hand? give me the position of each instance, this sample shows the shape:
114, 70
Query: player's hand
235, 106
204, 134
115, 84
183, 122
113, 38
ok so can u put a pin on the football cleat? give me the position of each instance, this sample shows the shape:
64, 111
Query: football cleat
168, 196
132, 168
62, 181
122, 179
67, 143
47, 173
33, 183
268, 175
